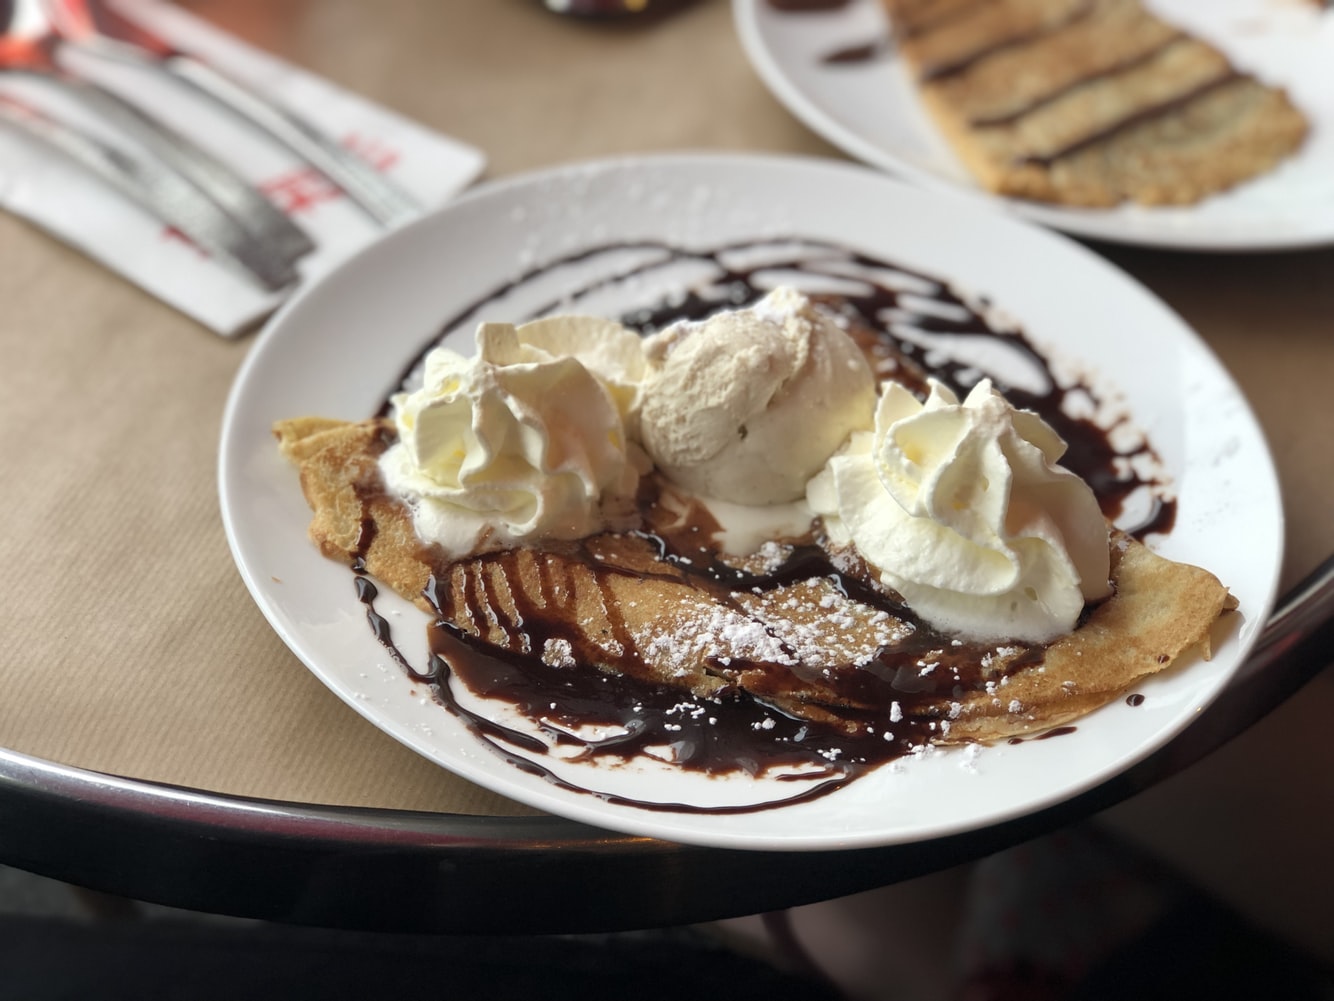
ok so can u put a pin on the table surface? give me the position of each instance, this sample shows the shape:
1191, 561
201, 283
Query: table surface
133, 649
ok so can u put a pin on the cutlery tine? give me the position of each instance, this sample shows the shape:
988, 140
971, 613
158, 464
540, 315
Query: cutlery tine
160, 190
233, 194
101, 29
376, 195
29, 46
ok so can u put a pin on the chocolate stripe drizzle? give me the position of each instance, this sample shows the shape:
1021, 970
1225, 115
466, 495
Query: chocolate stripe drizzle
909, 26
893, 704
961, 64
1130, 121
1108, 72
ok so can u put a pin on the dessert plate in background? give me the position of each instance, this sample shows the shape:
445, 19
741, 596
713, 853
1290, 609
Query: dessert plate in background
343, 343
869, 108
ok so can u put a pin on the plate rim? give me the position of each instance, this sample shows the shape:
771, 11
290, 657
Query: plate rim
1088, 224
675, 160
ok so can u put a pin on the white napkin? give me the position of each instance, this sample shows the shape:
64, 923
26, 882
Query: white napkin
65, 199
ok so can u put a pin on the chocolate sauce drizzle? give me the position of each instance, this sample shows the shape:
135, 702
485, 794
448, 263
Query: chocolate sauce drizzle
807, 6
863, 52
1058, 731
1106, 73
1129, 121
901, 318
915, 24
954, 67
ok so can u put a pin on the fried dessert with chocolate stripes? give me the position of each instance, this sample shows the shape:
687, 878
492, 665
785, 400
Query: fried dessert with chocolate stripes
1090, 102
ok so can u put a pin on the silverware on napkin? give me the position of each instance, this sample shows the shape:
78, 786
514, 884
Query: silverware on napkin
161, 190
171, 176
117, 117
99, 29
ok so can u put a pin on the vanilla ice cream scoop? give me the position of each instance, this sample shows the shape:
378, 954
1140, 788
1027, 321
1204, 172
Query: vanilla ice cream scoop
964, 511
747, 405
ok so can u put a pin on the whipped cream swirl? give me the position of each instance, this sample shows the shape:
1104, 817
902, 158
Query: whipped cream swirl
527, 440
963, 510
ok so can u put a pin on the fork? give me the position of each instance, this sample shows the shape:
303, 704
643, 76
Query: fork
161, 190
96, 27
259, 235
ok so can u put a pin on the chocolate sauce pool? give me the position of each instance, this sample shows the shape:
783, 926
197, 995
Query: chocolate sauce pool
906, 323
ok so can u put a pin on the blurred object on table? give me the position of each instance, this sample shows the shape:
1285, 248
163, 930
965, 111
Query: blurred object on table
613, 8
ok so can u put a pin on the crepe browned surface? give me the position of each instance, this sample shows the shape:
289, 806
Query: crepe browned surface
683, 634
1090, 102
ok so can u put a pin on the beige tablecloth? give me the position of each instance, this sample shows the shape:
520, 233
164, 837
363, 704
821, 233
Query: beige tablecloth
130, 644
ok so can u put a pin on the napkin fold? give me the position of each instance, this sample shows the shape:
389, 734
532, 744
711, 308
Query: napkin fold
60, 196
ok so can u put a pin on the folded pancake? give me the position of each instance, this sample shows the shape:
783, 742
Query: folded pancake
1090, 102
811, 633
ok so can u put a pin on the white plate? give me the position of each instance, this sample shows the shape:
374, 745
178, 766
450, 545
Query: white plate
342, 344
870, 110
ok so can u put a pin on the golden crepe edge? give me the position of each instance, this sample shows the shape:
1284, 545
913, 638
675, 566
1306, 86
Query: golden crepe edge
1159, 613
